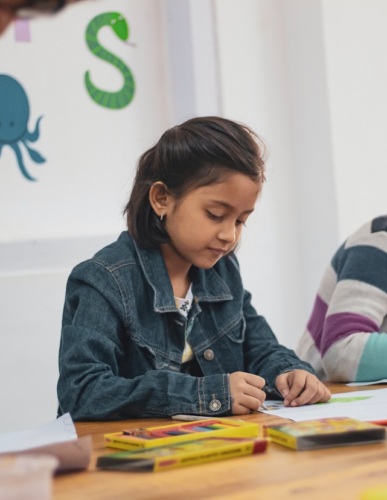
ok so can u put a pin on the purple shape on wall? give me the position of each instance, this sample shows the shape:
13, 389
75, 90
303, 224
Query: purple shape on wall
22, 30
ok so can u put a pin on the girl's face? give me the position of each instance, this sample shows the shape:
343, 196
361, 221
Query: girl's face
206, 223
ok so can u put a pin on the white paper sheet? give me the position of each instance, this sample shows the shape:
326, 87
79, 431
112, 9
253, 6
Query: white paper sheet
371, 382
57, 431
72, 455
58, 438
363, 405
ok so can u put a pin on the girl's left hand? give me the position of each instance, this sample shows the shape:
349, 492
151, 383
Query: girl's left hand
300, 387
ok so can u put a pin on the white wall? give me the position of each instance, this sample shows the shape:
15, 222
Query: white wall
355, 41
33, 278
90, 150
255, 90
273, 80
75, 205
308, 75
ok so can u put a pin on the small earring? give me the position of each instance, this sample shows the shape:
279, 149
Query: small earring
161, 216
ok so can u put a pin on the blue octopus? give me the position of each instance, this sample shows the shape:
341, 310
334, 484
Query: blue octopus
14, 115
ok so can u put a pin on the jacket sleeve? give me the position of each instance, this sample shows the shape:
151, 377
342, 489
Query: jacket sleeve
98, 378
263, 354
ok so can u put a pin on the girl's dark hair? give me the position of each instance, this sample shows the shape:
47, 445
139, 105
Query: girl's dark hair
196, 153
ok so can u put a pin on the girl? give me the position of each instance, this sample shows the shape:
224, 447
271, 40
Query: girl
158, 323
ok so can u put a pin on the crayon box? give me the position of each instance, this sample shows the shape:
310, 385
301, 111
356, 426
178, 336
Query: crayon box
325, 433
182, 454
151, 437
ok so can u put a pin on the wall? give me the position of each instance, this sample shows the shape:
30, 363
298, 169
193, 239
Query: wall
33, 278
310, 77
83, 143
74, 205
274, 81
355, 42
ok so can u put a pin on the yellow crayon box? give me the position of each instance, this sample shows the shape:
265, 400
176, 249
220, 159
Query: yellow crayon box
151, 437
182, 454
325, 432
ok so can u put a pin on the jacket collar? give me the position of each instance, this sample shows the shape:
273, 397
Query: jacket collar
207, 285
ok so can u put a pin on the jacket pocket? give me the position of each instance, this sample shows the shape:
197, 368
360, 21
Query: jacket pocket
236, 333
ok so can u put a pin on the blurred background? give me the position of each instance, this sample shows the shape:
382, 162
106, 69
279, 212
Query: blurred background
309, 76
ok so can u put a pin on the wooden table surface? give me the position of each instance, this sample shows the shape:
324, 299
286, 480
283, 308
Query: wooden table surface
279, 473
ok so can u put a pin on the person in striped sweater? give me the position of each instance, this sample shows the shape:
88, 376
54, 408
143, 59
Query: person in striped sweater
346, 335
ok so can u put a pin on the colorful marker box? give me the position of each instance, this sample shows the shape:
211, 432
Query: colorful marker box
182, 454
152, 437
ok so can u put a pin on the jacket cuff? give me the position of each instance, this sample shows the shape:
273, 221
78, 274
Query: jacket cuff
214, 395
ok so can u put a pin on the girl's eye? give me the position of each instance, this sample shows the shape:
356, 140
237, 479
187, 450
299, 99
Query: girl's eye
239, 222
213, 216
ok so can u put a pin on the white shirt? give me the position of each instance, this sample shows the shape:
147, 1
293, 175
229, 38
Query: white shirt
184, 305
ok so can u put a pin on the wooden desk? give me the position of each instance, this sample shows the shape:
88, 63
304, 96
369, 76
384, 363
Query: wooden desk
279, 473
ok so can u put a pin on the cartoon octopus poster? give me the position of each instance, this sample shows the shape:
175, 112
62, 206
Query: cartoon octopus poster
14, 117
15, 130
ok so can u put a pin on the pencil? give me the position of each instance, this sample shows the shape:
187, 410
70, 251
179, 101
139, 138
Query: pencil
379, 422
190, 418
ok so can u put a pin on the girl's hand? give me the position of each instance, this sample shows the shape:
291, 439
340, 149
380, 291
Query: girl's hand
300, 387
246, 392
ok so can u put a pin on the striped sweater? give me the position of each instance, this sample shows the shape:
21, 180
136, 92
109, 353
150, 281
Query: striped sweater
345, 339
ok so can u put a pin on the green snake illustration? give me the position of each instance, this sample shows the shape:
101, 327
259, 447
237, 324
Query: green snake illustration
121, 98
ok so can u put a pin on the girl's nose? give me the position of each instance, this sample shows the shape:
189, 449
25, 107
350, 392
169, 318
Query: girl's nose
227, 233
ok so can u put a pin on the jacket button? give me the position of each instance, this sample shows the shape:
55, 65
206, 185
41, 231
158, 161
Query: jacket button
209, 354
215, 405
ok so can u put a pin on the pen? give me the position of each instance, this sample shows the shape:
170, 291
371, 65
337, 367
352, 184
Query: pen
263, 406
190, 418
379, 422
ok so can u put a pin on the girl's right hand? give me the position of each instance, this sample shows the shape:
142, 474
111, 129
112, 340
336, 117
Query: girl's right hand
246, 392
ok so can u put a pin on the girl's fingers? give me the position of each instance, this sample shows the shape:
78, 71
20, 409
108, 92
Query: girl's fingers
314, 392
300, 387
249, 403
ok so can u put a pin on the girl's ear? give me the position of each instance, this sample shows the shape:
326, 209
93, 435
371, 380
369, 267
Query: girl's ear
158, 198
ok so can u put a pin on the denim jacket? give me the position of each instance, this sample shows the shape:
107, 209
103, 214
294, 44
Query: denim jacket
122, 338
